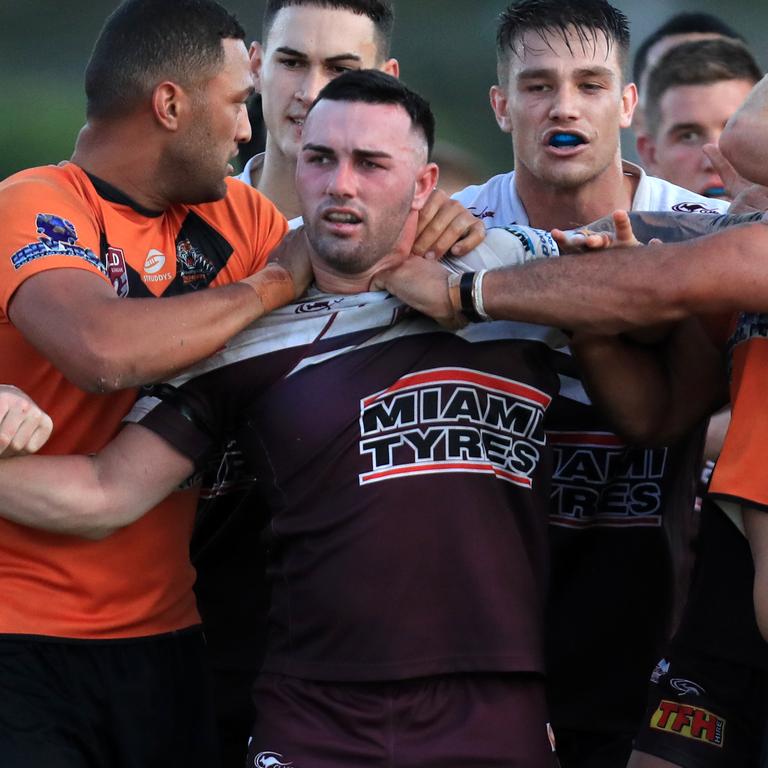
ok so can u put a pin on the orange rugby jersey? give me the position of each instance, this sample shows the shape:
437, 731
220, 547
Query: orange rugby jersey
739, 474
138, 581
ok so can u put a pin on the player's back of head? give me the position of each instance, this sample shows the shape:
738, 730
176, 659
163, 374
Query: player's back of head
144, 42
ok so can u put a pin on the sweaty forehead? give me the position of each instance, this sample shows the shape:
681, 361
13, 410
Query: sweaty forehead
577, 48
320, 32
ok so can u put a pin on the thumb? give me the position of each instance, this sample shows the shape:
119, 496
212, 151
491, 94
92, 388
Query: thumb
379, 281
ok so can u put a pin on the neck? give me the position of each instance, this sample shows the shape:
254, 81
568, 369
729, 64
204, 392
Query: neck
550, 207
277, 180
113, 153
332, 282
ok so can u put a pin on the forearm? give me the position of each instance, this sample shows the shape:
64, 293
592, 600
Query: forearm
92, 496
654, 394
103, 343
627, 384
613, 291
59, 494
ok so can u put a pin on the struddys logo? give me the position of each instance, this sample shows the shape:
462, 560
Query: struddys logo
453, 420
600, 482
689, 722
56, 237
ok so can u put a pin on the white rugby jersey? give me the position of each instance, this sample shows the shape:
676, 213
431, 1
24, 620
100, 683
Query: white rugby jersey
497, 203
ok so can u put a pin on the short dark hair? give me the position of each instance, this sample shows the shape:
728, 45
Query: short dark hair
144, 42
380, 12
372, 86
681, 24
699, 62
589, 18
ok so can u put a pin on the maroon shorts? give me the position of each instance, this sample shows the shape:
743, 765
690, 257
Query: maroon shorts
454, 721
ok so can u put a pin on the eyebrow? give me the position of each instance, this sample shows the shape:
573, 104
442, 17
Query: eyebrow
530, 74
361, 153
677, 127
285, 50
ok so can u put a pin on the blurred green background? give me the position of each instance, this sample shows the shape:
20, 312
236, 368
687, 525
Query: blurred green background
445, 49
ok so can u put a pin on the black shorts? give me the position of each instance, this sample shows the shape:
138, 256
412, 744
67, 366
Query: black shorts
704, 712
138, 703
455, 721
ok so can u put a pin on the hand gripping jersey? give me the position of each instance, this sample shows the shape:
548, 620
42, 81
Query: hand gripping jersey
613, 509
138, 581
406, 472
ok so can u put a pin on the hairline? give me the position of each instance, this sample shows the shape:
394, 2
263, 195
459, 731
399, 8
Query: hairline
513, 47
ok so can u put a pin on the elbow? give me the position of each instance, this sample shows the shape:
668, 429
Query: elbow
98, 369
644, 432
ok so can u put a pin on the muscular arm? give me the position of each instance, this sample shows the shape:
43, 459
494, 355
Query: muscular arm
616, 290
103, 343
610, 291
92, 496
654, 394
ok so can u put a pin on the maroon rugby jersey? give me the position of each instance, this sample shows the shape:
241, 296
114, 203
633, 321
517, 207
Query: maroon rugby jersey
406, 472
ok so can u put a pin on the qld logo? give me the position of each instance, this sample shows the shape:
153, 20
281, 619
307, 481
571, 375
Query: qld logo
270, 760
453, 420
56, 237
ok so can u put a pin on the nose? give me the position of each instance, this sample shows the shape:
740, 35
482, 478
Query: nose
564, 104
342, 181
311, 84
243, 126
712, 138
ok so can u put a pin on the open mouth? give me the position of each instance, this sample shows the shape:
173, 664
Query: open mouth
565, 140
342, 217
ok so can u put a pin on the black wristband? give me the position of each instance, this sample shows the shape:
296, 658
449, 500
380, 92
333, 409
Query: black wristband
467, 302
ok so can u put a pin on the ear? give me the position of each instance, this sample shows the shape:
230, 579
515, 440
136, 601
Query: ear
646, 149
500, 107
628, 104
256, 56
169, 101
391, 67
425, 184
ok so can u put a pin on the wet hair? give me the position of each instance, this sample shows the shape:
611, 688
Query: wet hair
371, 86
590, 19
380, 12
680, 24
144, 42
699, 62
